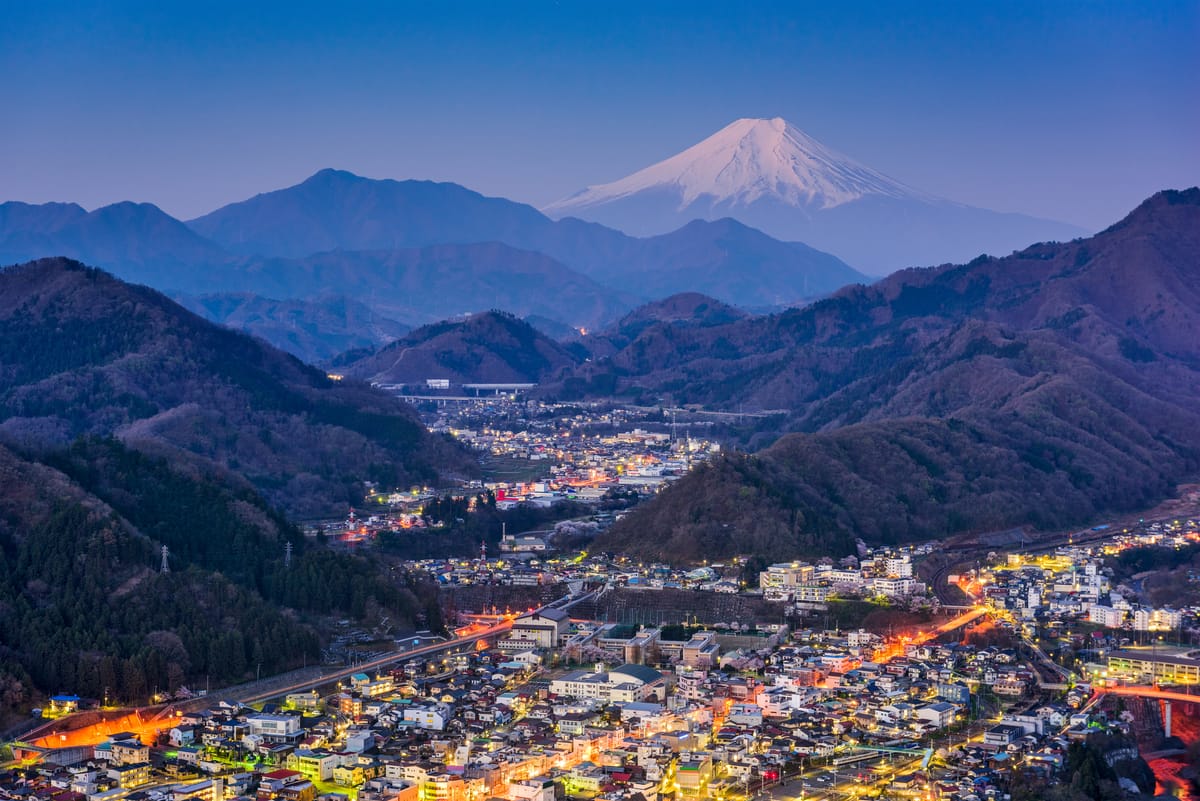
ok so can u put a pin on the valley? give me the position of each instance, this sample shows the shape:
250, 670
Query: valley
762, 472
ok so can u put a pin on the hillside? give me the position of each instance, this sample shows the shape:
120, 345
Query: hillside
87, 609
82, 353
416, 286
337, 210
130, 424
313, 330
490, 348
686, 309
1042, 388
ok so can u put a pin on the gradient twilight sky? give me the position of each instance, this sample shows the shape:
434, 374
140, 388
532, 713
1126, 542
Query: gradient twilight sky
1069, 110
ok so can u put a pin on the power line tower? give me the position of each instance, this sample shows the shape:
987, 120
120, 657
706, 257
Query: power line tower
165, 567
287, 555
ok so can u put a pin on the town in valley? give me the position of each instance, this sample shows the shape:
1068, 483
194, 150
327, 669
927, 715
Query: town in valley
922, 672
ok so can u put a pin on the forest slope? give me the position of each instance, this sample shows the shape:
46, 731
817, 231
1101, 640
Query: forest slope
83, 353
1042, 388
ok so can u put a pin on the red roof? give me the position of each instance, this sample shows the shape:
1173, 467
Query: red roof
282, 773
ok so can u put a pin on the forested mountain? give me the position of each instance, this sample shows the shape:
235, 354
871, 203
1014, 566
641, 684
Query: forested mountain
492, 347
1039, 388
86, 609
129, 424
418, 286
82, 353
314, 330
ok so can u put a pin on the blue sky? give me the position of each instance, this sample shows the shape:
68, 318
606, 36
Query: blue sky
1069, 110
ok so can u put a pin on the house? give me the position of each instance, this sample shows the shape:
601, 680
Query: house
539, 788
543, 629
939, 714
702, 650
1002, 735
745, 715
63, 704
126, 749
308, 702
275, 728
624, 684
585, 779
129, 776
285, 785
208, 790
428, 716
182, 735
314, 765
693, 776
359, 740
1009, 685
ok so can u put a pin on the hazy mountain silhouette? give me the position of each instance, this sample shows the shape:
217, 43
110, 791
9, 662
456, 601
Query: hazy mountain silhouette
337, 210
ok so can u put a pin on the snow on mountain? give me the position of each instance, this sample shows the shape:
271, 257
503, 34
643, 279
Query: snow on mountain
746, 161
774, 177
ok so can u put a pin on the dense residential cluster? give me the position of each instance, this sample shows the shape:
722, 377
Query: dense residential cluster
584, 467
885, 573
552, 706
572, 451
721, 715
522, 562
1072, 589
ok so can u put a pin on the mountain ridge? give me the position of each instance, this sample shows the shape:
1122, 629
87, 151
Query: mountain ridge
340, 233
338, 210
1041, 388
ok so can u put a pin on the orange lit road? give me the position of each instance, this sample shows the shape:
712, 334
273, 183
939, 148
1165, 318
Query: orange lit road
896, 648
961, 620
383, 661
147, 722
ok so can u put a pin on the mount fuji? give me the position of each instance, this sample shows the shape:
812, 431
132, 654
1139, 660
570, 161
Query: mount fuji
773, 176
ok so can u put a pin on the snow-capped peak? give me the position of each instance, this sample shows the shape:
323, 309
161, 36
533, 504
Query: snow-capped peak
749, 160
